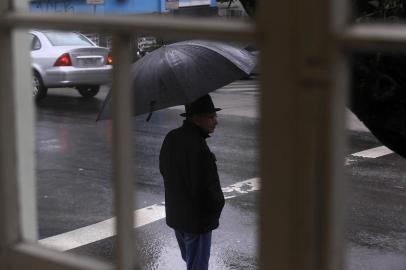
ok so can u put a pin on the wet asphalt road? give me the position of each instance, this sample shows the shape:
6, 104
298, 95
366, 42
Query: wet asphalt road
376, 209
74, 177
74, 183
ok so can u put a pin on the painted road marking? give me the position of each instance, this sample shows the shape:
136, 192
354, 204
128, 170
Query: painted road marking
105, 229
239, 86
369, 153
374, 152
241, 188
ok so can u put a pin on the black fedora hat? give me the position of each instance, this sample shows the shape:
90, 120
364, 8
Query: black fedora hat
200, 106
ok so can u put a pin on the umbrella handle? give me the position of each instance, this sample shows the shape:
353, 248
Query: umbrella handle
151, 109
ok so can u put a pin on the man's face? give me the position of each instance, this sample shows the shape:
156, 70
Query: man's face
207, 122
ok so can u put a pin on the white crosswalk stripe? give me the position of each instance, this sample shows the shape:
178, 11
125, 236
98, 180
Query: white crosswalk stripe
242, 86
371, 153
144, 216
105, 229
374, 152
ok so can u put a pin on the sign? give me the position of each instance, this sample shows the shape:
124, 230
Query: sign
192, 3
172, 4
95, 2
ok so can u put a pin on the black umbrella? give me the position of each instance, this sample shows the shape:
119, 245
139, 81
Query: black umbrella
181, 72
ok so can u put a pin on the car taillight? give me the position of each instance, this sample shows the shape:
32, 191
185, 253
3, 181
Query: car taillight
63, 60
109, 59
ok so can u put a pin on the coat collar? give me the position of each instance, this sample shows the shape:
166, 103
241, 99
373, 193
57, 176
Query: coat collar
191, 125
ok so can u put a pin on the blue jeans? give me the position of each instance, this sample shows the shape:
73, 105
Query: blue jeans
195, 249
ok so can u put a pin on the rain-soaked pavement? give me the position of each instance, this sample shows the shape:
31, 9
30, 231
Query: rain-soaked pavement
75, 189
74, 176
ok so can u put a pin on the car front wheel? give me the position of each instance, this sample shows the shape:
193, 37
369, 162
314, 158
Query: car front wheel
88, 91
38, 88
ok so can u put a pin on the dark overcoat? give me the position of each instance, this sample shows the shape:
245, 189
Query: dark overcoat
193, 196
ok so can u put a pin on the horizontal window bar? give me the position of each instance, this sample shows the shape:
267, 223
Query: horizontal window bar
210, 28
35, 257
373, 37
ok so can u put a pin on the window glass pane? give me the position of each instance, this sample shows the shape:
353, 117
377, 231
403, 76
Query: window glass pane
74, 184
74, 153
235, 146
375, 223
67, 39
35, 43
74, 161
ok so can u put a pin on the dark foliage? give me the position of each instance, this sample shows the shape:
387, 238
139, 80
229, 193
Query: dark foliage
378, 97
378, 85
248, 5
378, 10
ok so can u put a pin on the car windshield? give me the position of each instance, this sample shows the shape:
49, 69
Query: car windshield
67, 39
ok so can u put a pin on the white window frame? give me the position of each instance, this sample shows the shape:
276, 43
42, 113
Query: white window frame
303, 84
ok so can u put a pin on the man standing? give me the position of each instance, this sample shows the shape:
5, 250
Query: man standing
193, 196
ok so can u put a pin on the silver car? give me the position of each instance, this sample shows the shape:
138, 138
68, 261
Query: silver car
68, 59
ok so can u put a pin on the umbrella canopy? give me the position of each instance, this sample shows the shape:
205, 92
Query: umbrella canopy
181, 72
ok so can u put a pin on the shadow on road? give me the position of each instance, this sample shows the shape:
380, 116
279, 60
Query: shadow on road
70, 105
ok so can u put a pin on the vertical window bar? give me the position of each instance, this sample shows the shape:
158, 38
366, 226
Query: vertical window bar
20, 5
276, 238
336, 250
122, 152
9, 224
339, 14
17, 141
25, 135
339, 19
298, 150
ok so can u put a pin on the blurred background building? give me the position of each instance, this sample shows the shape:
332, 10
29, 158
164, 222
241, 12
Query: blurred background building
142, 44
145, 43
121, 6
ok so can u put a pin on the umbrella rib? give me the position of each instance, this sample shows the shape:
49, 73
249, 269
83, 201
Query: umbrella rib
174, 74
